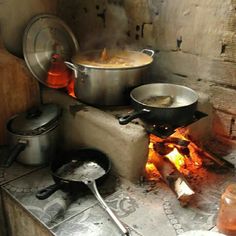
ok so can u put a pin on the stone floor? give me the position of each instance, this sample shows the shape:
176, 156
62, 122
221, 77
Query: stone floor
146, 208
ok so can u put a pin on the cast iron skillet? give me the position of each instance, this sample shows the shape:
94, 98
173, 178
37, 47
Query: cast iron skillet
84, 154
178, 112
81, 167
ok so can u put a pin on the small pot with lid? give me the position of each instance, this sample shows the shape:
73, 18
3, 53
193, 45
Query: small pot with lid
33, 135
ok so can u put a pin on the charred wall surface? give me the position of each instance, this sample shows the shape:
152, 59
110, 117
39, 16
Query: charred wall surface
194, 41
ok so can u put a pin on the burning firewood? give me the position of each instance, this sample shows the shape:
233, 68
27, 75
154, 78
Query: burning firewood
174, 179
177, 141
218, 160
162, 149
165, 148
175, 157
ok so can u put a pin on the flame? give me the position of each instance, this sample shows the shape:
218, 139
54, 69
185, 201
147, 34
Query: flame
150, 168
176, 158
70, 88
185, 163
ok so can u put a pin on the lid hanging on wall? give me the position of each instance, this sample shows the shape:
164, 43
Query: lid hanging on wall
45, 36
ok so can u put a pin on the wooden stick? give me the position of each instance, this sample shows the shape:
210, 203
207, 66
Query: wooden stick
174, 179
220, 161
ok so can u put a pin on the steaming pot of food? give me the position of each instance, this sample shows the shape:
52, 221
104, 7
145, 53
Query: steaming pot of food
106, 77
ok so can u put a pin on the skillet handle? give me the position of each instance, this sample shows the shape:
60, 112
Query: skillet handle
127, 118
93, 187
17, 149
48, 191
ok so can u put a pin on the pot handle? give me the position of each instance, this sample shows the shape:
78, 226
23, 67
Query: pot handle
17, 149
149, 52
77, 70
48, 191
72, 67
135, 114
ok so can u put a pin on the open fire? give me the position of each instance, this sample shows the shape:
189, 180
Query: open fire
175, 159
181, 152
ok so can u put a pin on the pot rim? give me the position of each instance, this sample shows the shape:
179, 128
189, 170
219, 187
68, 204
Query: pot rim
107, 67
194, 94
54, 126
35, 121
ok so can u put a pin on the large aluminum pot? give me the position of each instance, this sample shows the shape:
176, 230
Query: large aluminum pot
33, 135
109, 81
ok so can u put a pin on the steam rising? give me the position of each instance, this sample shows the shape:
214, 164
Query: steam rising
114, 34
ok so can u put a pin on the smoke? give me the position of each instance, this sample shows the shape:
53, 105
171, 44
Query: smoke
114, 31
116, 26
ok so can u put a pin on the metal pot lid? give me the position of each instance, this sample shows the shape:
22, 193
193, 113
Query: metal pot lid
35, 121
44, 36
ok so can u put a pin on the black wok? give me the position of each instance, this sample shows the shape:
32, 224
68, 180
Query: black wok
162, 103
80, 168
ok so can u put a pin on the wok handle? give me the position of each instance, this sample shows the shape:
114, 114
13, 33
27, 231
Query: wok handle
127, 118
93, 187
17, 149
48, 191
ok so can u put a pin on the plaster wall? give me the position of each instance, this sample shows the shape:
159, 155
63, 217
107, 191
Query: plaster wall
194, 41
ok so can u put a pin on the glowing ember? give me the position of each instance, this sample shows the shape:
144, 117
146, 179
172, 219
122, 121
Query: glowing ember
180, 151
152, 172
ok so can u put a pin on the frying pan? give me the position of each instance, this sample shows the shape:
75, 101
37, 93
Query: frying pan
162, 103
81, 167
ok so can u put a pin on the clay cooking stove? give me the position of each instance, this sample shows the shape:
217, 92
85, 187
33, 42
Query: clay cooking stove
154, 152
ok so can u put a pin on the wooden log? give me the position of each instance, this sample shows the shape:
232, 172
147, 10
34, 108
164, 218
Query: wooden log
174, 179
218, 160
162, 148
177, 141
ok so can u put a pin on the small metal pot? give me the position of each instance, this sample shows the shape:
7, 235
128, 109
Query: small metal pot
33, 135
109, 85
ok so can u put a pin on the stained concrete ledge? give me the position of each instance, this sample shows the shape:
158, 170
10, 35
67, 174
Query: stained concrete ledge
83, 125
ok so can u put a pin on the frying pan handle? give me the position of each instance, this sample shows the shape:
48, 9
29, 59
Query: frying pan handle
127, 118
17, 149
48, 191
93, 187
